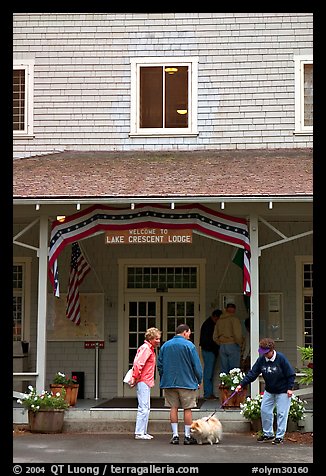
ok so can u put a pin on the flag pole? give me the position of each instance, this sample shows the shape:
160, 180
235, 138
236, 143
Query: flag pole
93, 269
225, 271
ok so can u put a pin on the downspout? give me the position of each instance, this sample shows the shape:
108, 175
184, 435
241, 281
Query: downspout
254, 300
42, 304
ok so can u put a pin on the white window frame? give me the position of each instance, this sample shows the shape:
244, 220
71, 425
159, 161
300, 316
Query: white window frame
192, 64
300, 261
299, 64
26, 264
28, 66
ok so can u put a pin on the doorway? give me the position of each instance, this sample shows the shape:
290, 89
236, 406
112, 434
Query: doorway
164, 312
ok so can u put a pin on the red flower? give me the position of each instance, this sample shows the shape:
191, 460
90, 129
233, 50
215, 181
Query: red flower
310, 365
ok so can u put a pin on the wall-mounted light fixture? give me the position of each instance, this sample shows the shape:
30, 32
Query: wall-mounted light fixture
132, 206
270, 205
37, 206
222, 205
182, 111
78, 206
61, 218
172, 205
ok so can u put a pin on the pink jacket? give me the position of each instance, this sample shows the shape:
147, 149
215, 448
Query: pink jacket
144, 364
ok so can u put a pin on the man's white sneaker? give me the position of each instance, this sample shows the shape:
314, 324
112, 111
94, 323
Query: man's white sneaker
143, 437
151, 436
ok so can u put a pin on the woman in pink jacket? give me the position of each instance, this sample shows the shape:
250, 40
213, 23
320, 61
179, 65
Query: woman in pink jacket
143, 377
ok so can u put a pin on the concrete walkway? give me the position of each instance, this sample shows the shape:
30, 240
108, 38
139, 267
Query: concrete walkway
123, 448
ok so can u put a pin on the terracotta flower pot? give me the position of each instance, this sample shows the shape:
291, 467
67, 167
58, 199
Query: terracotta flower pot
71, 391
226, 392
46, 421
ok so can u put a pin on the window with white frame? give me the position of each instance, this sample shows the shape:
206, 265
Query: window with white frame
303, 94
21, 298
23, 85
164, 96
307, 291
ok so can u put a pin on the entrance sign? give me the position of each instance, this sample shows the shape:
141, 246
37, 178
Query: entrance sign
137, 236
196, 217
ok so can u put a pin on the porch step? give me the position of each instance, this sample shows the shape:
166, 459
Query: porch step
121, 420
128, 426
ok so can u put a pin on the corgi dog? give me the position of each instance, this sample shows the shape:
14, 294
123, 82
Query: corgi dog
207, 430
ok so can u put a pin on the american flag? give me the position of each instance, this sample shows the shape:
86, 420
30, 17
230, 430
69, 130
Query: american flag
79, 267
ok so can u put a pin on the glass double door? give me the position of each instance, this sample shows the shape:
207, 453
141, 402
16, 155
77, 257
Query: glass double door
161, 311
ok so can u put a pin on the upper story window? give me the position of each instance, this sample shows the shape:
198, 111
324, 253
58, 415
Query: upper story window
164, 96
303, 94
23, 79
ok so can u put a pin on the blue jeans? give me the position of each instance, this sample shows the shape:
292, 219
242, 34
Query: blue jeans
230, 357
209, 359
144, 406
282, 403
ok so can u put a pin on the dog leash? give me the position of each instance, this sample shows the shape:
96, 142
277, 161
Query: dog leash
223, 404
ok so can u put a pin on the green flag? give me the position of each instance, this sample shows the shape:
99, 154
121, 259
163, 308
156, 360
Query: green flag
238, 257
238, 260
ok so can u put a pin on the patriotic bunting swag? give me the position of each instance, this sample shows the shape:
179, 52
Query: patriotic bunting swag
100, 218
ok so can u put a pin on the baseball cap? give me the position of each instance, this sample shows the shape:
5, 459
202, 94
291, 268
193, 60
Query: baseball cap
263, 350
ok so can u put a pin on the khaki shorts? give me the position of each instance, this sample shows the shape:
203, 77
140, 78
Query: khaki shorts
181, 398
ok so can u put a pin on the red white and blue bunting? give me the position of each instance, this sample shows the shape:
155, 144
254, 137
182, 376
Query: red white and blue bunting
99, 218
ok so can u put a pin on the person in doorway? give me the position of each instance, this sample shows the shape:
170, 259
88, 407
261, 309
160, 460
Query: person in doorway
209, 350
181, 374
143, 377
279, 376
245, 349
228, 335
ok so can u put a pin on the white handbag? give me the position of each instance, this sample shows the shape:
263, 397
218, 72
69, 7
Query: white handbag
127, 377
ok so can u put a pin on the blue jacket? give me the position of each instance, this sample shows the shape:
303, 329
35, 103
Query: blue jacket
179, 365
278, 375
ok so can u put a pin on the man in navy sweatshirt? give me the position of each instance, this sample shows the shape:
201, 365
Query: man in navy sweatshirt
279, 376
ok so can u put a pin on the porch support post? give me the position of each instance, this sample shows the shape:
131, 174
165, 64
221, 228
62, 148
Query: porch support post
42, 301
254, 301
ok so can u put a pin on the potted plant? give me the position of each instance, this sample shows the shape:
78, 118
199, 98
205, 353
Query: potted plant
250, 409
45, 410
228, 383
70, 386
307, 373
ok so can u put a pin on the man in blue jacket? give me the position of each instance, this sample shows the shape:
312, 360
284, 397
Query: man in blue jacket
279, 376
181, 374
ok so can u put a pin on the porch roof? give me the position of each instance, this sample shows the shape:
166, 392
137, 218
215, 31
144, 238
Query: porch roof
173, 174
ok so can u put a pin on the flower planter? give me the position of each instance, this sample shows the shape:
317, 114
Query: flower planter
46, 421
291, 426
71, 392
256, 425
226, 392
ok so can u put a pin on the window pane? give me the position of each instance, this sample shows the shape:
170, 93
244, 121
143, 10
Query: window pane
176, 96
18, 100
308, 95
151, 96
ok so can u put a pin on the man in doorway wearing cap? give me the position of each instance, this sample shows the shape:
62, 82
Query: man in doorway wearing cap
279, 376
